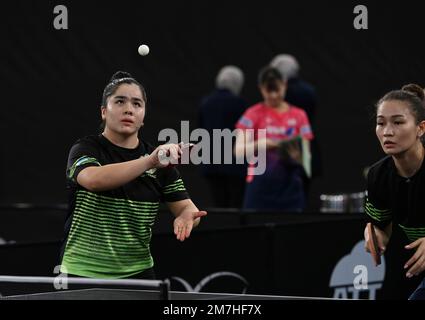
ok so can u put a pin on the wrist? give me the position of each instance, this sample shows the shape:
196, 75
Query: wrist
149, 162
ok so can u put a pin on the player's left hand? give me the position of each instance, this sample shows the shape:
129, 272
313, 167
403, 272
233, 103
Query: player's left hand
183, 224
417, 262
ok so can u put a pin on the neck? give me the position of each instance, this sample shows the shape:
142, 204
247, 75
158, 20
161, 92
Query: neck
409, 162
129, 142
281, 107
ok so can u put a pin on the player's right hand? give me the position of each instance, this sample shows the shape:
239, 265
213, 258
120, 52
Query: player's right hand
381, 237
166, 155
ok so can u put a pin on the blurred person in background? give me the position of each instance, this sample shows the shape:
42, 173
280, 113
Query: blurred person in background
221, 109
281, 187
301, 94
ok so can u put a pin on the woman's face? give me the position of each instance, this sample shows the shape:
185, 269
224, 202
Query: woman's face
273, 96
125, 110
396, 127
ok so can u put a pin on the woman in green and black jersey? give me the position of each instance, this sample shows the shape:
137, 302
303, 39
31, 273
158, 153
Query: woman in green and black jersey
116, 182
396, 184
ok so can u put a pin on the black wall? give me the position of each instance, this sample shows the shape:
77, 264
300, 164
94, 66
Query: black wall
52, 80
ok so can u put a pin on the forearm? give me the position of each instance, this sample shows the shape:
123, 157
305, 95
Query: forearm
251, 147
113, 176
244, 148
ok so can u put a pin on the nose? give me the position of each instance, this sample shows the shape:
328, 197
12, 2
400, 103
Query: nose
128, 110
388, 131
274, 95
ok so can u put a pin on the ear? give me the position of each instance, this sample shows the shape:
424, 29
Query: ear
103, 112
421, 128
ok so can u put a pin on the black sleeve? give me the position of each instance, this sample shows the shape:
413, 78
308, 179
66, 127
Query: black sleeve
172, 186
377, 208
83, 154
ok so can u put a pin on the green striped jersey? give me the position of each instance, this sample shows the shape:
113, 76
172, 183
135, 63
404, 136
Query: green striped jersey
108, 233
392, 198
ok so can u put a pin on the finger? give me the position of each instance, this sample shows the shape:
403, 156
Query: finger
415, 269
199, 214
174, 154
176, 230
162, 156
181, 146
188, 231
414, 244
179, 235
177, 149
411, 261
182, 234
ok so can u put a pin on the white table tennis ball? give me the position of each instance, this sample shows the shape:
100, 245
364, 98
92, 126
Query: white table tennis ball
143, 50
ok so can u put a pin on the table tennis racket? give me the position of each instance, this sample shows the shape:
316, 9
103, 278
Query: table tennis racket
372, 244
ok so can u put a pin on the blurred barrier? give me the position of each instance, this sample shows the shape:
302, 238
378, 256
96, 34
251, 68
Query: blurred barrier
280, 259
272, 252
28, 223
342, 203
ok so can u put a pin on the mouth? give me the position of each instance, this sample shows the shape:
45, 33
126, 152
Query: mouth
127, 121
389, 144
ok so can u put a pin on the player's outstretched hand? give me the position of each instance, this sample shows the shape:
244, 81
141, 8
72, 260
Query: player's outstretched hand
183, 224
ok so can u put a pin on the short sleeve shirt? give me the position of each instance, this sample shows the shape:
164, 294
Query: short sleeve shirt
108, 233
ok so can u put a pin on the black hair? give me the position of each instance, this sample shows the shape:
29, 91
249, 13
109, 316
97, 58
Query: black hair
413, 95
270, 77
118, 79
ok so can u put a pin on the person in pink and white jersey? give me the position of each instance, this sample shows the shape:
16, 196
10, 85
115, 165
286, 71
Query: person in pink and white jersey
281, 186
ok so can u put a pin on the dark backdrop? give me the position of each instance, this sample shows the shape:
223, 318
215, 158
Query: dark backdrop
52, 80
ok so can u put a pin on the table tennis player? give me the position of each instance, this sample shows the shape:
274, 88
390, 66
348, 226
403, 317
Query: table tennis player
116, 182
396, 184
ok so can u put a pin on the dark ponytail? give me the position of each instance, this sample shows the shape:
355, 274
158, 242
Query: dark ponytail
117, 79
